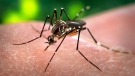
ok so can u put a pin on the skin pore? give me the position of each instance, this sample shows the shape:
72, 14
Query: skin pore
114, 28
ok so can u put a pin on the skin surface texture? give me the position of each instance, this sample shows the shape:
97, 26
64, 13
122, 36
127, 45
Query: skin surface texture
114, 28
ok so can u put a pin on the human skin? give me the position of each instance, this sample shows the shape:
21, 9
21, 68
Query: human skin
113, 28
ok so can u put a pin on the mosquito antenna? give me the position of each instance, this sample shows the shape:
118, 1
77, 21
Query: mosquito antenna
82, 10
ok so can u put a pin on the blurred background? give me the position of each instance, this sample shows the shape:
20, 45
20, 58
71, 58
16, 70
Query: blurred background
13, 11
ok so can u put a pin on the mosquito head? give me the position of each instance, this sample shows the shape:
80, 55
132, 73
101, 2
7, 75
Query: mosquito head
51, 40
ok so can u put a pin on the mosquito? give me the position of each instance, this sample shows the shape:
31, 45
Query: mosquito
62, 28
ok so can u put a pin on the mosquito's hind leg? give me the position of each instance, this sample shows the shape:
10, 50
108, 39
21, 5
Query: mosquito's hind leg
82, 10
98, 43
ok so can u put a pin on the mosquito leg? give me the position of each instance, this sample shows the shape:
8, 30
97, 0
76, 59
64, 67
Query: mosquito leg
82, 54
54, 15
38, 31
98, 43
62, 10
82, 10
51, 24
48, 17
55, 52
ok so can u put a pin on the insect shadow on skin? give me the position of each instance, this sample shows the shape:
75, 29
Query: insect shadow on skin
60, 29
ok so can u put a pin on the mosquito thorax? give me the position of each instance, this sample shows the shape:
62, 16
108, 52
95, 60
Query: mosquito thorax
59, 28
